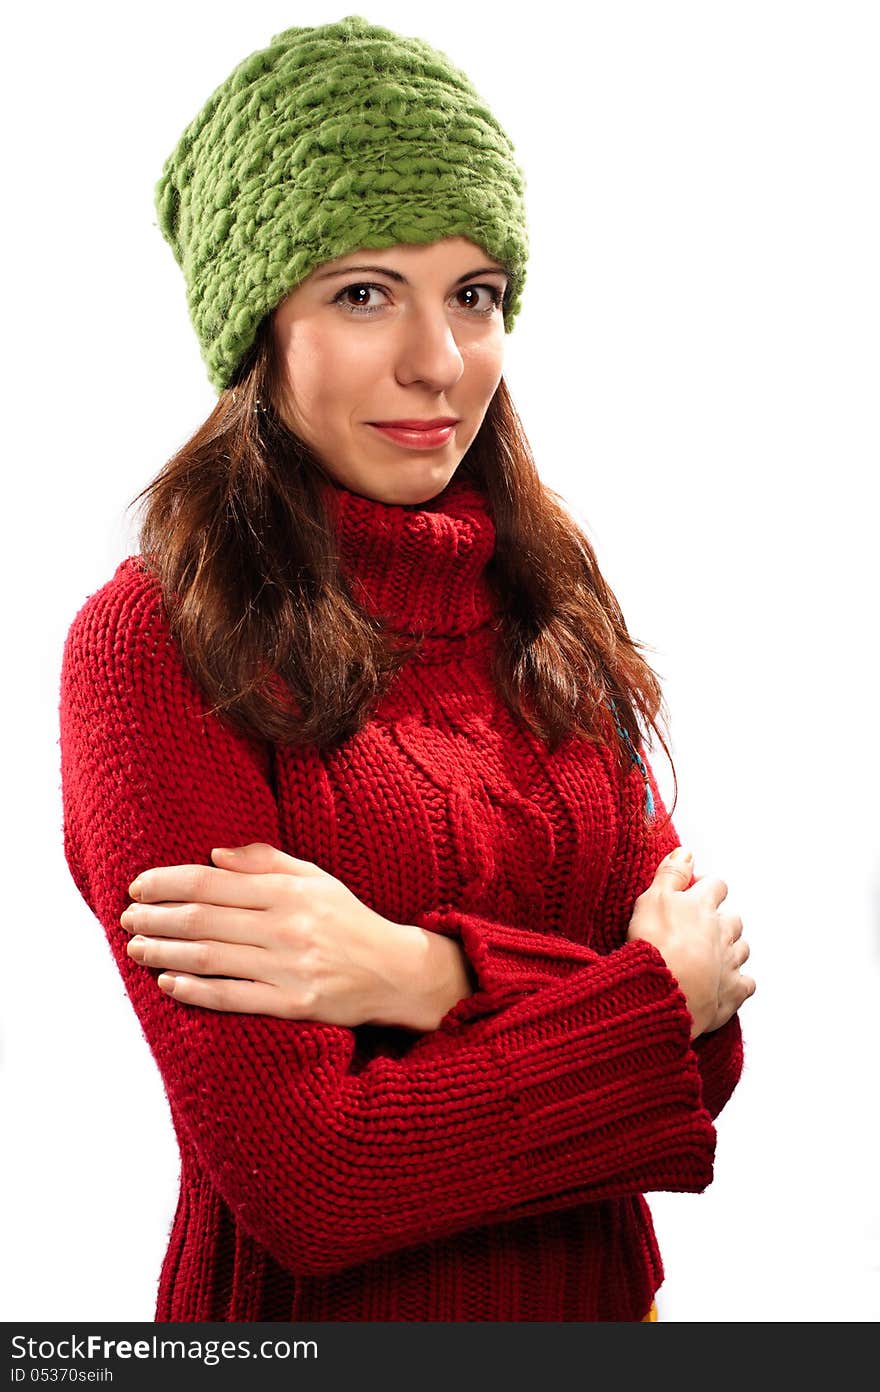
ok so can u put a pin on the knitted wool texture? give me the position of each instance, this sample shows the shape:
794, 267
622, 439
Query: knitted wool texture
493, 1169
334, 137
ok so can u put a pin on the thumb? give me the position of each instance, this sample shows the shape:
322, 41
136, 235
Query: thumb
259, 858
676, 868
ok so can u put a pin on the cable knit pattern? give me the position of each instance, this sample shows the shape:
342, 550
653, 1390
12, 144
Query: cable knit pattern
493, 1169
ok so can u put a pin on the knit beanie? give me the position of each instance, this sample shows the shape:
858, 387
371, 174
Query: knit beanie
333, 138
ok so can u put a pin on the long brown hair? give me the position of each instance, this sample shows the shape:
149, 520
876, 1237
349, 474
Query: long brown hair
235, 530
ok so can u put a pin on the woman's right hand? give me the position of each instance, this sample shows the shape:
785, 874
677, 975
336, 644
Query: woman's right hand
702, 947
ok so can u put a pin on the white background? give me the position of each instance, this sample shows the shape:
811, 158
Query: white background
696, 366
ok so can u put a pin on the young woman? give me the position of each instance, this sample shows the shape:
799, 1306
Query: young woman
352, 768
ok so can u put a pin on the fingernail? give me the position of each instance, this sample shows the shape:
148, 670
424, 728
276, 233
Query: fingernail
134, 888
681, 854
224, 850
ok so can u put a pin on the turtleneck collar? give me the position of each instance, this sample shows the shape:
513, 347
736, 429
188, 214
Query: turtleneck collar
423, 568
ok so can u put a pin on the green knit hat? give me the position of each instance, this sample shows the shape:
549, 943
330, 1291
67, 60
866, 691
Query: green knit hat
333, 138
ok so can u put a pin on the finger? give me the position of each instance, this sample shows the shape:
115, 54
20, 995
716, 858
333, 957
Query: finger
215, 993
204, 884
259, 857
674, 870
748, 983
743, 953
709, 887
733, 926
202, 958
196, 921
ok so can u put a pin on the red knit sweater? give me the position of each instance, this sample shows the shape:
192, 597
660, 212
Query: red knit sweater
493, 1169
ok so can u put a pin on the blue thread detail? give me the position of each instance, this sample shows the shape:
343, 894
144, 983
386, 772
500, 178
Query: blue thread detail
636, 759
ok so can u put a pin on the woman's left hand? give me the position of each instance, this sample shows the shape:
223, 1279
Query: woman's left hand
269, 935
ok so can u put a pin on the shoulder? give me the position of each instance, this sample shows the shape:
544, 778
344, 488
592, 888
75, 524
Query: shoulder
120, 631
123, 670
132, 594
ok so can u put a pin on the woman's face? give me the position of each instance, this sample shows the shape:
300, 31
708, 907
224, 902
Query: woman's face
416, 336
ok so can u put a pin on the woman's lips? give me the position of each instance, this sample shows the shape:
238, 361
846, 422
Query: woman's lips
416, 439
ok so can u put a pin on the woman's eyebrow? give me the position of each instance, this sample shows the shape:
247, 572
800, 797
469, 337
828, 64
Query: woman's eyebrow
396, 275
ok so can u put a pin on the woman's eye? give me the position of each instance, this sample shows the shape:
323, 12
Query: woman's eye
494, 298
356, 290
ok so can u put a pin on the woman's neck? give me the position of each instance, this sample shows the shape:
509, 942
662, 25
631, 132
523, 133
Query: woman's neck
422, 566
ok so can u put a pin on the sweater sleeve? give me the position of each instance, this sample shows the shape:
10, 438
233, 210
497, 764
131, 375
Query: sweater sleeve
507, 963
585, 1090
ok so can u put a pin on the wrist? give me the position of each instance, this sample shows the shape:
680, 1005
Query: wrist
430, 974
